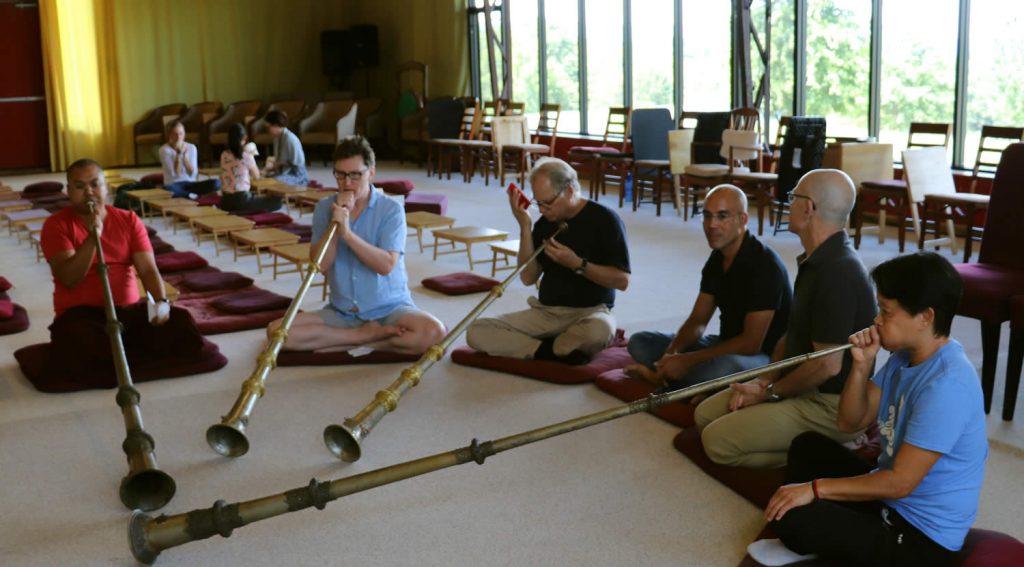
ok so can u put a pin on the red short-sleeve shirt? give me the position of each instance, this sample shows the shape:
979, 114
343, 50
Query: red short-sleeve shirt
123, 235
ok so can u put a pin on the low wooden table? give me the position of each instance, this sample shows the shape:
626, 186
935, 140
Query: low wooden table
308, 199
187, 215
261, 185
15, 205
419, 220
217, 226
254, 240
506, 249
164, 206
468, 235
297, 254
15, 219
143, 196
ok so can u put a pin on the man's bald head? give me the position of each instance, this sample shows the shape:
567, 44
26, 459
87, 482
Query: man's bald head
833, 194
733, 196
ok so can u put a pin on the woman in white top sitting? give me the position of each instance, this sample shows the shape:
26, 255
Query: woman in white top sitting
238, 167
179, 160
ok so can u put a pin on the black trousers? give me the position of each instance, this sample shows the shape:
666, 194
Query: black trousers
245, 202
849, 533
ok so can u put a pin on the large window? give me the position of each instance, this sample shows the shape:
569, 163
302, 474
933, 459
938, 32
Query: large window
830, 72
995, 93
653, 59
838, 63
918, 66
525, 62
706, 55
604, 61
561, 21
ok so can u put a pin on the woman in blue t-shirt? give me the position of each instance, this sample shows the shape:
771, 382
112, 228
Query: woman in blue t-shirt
916, 506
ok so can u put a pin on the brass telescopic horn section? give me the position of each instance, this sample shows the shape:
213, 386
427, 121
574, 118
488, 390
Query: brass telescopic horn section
345, 441
145, 487
149, 536
228, 437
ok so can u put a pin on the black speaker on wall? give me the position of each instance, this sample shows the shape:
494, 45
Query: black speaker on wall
334, 51
363, 47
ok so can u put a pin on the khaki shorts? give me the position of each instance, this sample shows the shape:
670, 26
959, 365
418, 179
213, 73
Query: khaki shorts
332, 318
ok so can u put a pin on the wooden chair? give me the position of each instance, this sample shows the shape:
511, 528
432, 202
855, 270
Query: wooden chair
929, 134
505, 130
244, 112
320, 127
994, 139
150, 130
679, 156
444, 121
448, 149
519, 158
745, 119
688, 120
259, 130
613, 144
196, 118
699, 177
515, 109
650, 165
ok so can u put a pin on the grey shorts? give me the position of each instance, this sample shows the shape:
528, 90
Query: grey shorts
332, 318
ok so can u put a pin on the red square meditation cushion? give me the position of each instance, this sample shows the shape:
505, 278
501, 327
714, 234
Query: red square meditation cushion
459, 283
338, 358
6, 309
268, 219
16, 323
43, 187
394, 186
178, 261
616, 383
612, 357
212, 281
209, 200
5, 284
251, 301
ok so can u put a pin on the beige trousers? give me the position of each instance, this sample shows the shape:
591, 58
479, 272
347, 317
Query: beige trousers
759, 436
518, 334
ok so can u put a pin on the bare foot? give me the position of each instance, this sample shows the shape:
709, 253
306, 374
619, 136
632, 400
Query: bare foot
372, 331
641, 372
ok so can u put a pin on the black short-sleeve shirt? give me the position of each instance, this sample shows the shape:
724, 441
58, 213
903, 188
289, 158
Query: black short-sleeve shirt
757, 280
595, 233
832, 299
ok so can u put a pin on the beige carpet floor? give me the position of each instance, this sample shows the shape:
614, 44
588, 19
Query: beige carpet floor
613, 494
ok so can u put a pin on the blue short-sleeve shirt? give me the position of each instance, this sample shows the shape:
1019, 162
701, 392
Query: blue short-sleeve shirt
356, 290
936, 405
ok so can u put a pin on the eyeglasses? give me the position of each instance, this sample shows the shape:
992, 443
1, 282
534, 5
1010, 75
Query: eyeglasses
353, 176
549, 202
794, 196
720, 216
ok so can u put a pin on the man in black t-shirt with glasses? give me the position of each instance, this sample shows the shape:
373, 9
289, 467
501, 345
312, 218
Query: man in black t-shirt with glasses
582, 267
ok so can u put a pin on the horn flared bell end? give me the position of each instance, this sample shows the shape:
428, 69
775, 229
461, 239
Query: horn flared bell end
343, 443
137, 538
227, 440
147, 490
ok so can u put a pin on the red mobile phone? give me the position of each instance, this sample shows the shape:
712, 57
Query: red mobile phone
514, 189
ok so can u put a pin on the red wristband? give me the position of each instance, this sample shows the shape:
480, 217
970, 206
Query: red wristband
814, 488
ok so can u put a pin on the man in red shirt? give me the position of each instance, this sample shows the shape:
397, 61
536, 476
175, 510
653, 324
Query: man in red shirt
78, 334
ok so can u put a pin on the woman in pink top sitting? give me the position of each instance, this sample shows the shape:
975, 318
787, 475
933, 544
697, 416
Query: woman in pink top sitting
237, 168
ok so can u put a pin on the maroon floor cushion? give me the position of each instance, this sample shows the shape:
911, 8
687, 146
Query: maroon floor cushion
150, 231
756, 485
248, 301
264, 220
612, 357
41, 187
32, 360
179, 261
211, 321
982, 548
303, 231
16, 323
395, 186
215, 280
153, 179
616, 383
5, 284
160, 246
429, 202
41, 199
460, 283
309, 358
209, 200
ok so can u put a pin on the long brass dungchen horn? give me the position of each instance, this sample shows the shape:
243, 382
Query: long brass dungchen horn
149, 536
145, 487
228, 437
345, 440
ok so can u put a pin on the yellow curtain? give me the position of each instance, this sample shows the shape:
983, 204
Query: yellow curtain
108, 62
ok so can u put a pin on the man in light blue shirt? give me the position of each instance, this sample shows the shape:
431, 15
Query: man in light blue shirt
370, 305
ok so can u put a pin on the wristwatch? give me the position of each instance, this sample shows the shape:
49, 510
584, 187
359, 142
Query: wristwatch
772, 396
583, 267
